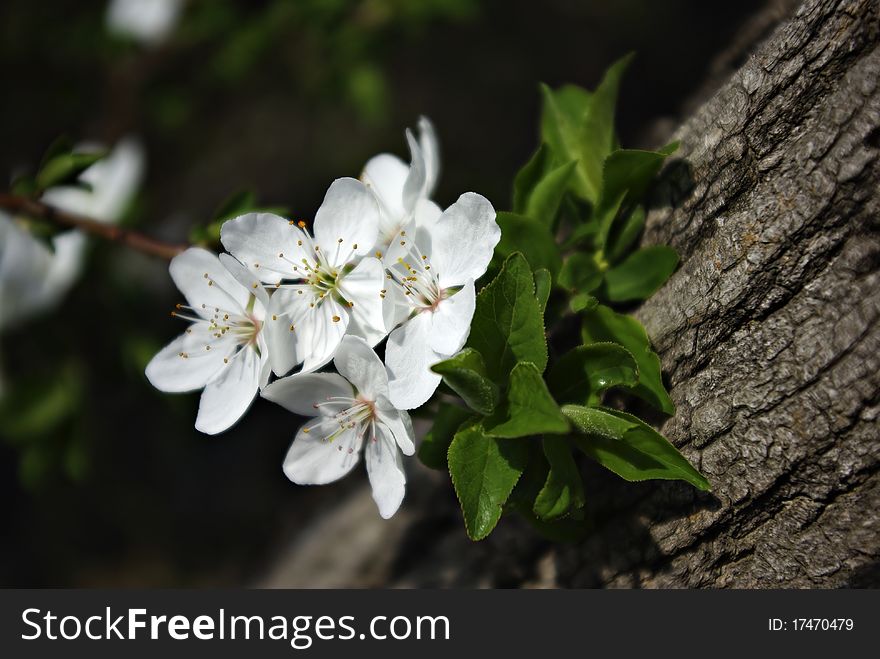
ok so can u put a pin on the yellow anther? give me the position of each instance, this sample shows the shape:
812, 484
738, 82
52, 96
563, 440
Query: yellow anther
301, 224
354, 246
274, 317
336, 319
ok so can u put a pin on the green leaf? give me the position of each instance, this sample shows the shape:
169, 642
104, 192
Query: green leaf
563, 489
629, 447
484, 472
640, 274
543, 284
597, 137
447, 421
530, 237
527, 178
627, 174
508, 326
562, 119
623, 234
543, 203
65, 168
582, 301
236, 204
602, 324
581, 375
580, 273
531, 409
465, 373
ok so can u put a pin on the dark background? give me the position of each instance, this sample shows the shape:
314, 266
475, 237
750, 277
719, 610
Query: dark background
104, 481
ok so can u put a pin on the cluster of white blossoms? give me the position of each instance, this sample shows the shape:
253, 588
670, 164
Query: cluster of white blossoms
382, 260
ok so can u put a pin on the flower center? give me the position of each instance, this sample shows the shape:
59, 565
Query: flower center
347, 413
414, 275
316, 267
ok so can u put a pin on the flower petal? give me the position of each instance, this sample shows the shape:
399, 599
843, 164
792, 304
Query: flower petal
229, 395
301, 392
452, 320
463, 239
385, 175
319, 332
280, 339
267, 244
357, 363
206, 284
408, 358
430, 154
399, 424
313, 460
385, 470
248, 280
170, 372
350, 213
362, 288
427, 213
414, 188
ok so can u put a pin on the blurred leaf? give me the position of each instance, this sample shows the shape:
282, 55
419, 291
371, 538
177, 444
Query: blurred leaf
562, 119
580, 273
597, 136
527, 178
582, 301
508, 326
544, 201
484, 472
582, 374
603, 324
529, 237
639, 275
563, 489
465, 373
623, 234
629, 447
531, 409
65, 168
447, 421
33, 409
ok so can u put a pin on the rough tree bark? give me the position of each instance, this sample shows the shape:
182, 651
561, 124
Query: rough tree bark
768, 333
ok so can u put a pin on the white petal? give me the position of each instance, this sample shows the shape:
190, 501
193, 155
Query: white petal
396, 307
408, 358
148, 21
430, 153
463, 239
312, 460
206, 284
284, 309
363, 287
399, 424
170, 372
267, 244
349, 212
385, 470
319, 332
385, 175
357, 363
249, 281
427, 213
301, 392
452, 320
229, 395
414, 188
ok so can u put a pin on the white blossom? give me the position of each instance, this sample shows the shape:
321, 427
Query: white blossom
350, 411
326, 285
225, 348
435, 266
147, 21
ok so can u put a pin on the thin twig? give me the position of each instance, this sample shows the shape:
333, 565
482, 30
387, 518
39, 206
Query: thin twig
127, 237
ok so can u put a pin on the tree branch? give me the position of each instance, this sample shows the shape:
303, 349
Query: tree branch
127, 237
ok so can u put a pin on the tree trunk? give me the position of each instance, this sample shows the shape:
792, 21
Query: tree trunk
768, 333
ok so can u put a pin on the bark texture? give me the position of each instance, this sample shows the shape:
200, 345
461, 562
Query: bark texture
769, 334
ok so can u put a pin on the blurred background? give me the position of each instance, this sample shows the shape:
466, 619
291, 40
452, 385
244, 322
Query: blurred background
104, 480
